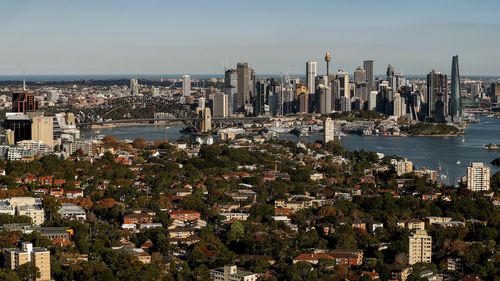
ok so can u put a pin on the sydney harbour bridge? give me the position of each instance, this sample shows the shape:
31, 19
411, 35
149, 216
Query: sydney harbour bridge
175, 112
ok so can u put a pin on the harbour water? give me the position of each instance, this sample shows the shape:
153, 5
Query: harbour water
451, 153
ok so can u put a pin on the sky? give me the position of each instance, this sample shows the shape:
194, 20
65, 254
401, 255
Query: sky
200, 36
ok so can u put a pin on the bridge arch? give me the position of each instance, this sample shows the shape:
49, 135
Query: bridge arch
98, 113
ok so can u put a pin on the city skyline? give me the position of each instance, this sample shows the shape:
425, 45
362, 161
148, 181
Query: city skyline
91, 37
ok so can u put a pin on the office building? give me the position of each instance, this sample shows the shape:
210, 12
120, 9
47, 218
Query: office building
478, 177
186, 85
311, 72
372, 100
399, 106
420, 247
324, 104
495, 92
42, 129
244, 85
370, 79
231, 273
328, 130
359, 75
437, 96
261, 92
19, 124
221, 105
455, 109
40, 257
230, 89
24, 102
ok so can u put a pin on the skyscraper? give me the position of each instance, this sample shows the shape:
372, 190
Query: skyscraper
221, 105
478, 177
311, 72
329, 130
368, 67
134, 86
420, 247
186, 85
244, 84
437, 96
455, 105
359, 75
230, 89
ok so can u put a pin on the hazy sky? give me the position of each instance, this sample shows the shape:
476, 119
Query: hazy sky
194, 36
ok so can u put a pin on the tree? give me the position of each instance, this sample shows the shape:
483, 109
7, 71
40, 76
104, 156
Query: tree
236, 232
8, 275
28, 272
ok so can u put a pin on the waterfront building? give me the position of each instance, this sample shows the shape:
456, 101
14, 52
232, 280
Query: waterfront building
40, 257
329, 130
368, 67
311, 72
455, 109
186, 85
478, 177
420, 247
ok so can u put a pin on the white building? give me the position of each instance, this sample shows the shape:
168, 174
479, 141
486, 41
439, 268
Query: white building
311, 72
186, 85
231, 273
478, 177
72, 212
329, 130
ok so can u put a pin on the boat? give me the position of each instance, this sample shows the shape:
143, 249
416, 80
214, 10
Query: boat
463, 138
458, 162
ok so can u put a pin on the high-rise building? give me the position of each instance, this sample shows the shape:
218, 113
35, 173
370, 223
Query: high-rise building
420, 247
437, 96
324, 103
134, 86
230, 89
455, 105
186, 85
42, 129
221, 105
368, 67
399, 106
24, 102
359, 75
40, 257
372, 100
20, 124
261, 91
495, 92
391, 77
207, 120
244, 85
478, 177
328, 130
311, 72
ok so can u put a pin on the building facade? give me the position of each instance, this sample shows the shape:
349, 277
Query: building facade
420, 247
478, 177
40, 257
